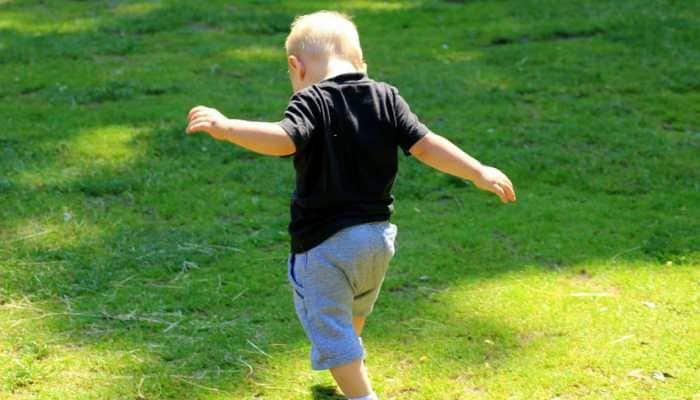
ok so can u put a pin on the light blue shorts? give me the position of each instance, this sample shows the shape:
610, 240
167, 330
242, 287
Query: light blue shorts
336, 280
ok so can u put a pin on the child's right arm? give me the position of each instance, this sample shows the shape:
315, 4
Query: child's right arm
439, 153
261, 137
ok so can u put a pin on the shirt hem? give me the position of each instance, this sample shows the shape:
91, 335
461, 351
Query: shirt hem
299, 245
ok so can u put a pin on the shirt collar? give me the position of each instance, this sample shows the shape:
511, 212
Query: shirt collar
347, 76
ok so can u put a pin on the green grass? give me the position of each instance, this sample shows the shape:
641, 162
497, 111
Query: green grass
136, 262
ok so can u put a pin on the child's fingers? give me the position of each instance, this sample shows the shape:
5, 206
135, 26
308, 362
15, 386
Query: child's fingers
498, 190
508, 180
199, 127
198, 122
190, 128
506, 192
510, 193
190, 115
195, 109
199, 114
192, 111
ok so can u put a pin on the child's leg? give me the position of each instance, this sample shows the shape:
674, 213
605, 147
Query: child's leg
352, 378
357, 324
335, 286
323, 302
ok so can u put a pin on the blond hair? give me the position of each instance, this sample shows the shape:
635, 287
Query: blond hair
325, 33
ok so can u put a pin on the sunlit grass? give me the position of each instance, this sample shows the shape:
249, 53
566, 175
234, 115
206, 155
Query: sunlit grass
20, 22
256, 53
364, 5
110, 144
136, 8
46, 363
379, 5
80, 161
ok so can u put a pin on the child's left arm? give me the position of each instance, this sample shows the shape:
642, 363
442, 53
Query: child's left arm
441, 154
261, 137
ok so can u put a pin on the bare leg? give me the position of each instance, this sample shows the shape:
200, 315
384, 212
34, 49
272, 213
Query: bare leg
352, 378
358, 323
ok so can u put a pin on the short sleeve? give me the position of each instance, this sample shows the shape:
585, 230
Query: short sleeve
408, 128
300, 119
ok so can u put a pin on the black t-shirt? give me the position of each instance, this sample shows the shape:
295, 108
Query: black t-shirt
347, 130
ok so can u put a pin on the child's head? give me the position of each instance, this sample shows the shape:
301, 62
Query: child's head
315, 40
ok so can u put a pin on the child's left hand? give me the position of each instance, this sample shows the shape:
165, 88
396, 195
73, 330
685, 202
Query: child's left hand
209, 120
493, 180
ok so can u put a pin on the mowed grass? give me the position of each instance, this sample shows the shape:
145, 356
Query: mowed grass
138, 263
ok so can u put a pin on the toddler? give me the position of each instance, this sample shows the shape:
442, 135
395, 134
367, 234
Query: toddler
344, 131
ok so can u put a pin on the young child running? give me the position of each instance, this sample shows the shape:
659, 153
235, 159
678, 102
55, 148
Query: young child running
344, 130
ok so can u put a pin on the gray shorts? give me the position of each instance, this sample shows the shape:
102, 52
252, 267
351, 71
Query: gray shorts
336, 280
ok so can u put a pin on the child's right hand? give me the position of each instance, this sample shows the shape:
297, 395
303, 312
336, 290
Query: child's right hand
209, 120
493, 180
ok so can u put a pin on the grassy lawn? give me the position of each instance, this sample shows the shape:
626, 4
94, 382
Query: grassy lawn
139, 263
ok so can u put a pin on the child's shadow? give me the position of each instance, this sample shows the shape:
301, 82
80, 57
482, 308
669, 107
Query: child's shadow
326, 392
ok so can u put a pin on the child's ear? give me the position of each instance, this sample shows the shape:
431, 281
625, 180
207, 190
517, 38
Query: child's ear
296, 66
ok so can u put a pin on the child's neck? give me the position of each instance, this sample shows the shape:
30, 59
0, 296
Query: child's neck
319, 70
335, 66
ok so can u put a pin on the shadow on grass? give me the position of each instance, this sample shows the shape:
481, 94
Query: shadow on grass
177, 256
325, 392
